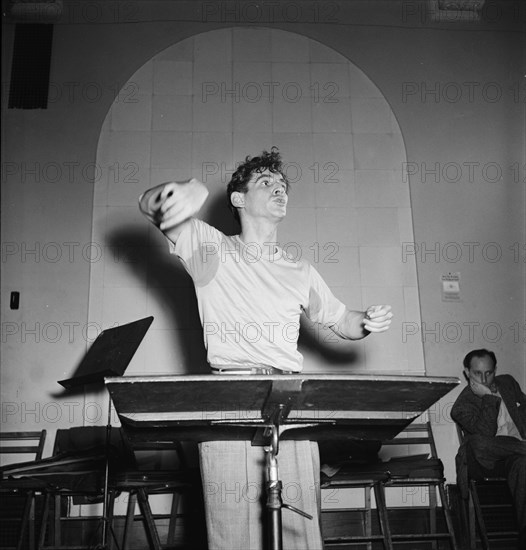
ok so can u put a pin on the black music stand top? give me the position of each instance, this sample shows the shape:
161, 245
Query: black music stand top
110, 354
306, 406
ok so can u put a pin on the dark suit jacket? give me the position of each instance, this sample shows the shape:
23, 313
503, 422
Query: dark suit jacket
478, 415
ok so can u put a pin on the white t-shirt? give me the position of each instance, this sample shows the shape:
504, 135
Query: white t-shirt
250, 298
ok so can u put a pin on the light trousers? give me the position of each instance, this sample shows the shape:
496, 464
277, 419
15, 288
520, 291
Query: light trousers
234, 486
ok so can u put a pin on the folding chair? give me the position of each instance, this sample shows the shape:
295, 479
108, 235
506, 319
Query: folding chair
489, 510
352, 473
355, 477
407, 470
424, 471
88, 483
19, 445
74, 474
140, 486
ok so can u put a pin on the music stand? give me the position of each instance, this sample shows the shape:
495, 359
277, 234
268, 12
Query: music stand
109, 355
265, 409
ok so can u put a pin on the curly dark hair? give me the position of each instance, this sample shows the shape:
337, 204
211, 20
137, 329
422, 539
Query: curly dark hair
240, 178
479, 353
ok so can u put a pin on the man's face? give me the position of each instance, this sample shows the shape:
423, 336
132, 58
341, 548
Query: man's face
266, 196
482, 370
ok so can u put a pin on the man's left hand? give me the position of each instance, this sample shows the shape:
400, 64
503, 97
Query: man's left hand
377, 318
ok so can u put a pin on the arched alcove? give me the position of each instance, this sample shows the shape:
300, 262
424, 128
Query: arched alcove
202, 105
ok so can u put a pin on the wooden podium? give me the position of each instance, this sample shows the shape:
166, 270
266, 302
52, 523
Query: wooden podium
265, 409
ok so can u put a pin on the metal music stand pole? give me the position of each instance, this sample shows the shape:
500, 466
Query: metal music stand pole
274, 486
105, 504
274, 501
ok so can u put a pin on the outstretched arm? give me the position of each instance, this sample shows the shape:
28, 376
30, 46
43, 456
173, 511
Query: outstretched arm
354, 325
169, 206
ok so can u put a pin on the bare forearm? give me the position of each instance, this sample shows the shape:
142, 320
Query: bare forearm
351, 325
355, 325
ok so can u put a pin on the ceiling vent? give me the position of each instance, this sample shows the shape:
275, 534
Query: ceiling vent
45, 11
461, 5
456, 10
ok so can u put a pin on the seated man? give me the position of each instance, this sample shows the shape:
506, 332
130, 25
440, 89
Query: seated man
491, 411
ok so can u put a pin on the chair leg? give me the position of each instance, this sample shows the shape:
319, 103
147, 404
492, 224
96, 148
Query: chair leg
173, 519
57, 528
447, 516
111, 539
130, 512
43, 526
28, 517
471, 523
32, 521
432, 495
478, 516
367, 528
151, 529
51, 515
379, 495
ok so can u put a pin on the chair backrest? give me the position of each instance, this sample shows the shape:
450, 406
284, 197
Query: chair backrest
418, 437
413, 455
28, 444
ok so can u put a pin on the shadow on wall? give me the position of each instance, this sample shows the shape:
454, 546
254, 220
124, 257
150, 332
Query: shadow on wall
169, 284
340, 355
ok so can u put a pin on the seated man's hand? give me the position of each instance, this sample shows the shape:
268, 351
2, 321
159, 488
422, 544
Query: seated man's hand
377, 318
478, 388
